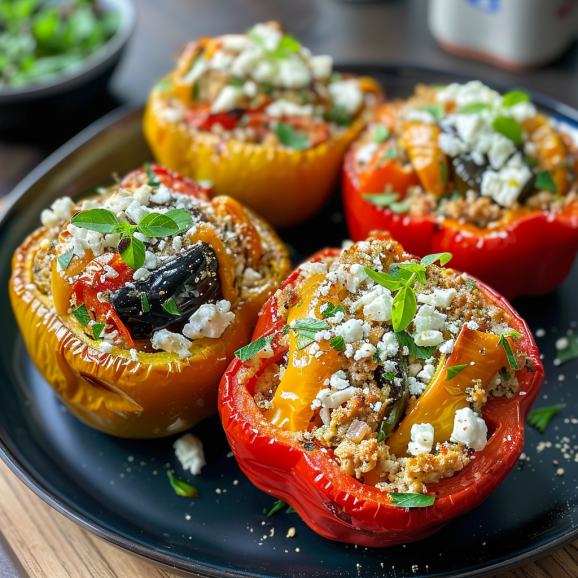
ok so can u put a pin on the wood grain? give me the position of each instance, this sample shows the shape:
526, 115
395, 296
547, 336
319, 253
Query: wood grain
48, 545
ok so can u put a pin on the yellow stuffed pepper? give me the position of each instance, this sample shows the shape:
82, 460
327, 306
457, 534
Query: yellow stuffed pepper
132, 304
260, 117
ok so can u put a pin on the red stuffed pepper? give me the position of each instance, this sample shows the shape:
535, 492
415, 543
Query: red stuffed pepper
382, 396
466, 170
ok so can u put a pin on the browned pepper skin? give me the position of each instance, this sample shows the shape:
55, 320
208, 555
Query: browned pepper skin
157, 395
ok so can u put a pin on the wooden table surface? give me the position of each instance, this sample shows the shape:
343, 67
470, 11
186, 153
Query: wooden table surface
38, 541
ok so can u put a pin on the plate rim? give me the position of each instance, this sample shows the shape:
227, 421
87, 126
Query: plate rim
152, 555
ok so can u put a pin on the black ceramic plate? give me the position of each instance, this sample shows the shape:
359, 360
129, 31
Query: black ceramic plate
119, 489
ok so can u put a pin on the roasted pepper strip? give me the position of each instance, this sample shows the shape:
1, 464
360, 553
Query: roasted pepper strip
338, 506
439, 402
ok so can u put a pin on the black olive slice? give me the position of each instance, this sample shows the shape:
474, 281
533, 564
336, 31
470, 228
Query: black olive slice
172, 293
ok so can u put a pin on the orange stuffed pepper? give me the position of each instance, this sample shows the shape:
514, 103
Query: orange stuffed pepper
261, 118
132, 303
466, 170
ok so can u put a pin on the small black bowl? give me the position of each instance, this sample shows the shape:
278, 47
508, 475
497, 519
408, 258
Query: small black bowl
66, 91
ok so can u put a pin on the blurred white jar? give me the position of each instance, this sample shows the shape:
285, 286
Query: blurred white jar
513, 34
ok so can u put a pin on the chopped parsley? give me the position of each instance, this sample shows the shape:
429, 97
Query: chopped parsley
540, 417
182, 488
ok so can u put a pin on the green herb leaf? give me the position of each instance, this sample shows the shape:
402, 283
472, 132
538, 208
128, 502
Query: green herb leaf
125, 229
509, 127
153, 178
338, 115
144, 303
381, 199
157, 225
170, 306
279, 505
305, 338
182, 218
406, 340
82, 315
506, 345
540, 418
390, 154
399, 208
443, 258
100, 220
471, 284
454, 370
436, 110
248, 351
310, 324
163, 85
290, 510
298, 304
331, 310
530, 161
134, 254
570, 352
337, 343
97, 329
545, 182
384, 279
443, 170
182, 488
380, 133
64, 260
380, 436
289, 137
473, 108
404, 308
514, 97
411, 500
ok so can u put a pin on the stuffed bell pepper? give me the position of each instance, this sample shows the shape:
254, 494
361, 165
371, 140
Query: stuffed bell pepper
133, 302
382, 395
261, 117
463, 169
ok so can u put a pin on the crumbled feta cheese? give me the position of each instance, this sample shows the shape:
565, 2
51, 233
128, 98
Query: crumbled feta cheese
143, 194
469, 429
428, 318
321, 66
339, 380
105, 346
502, 148
355, 278
426, 373
424, 116
506, 185
388, 346
447, 347
311, 269
438, 298
282, 107
189, 451
422, 439
346, 94
523, 111
209, 320
365, 351
451, 144
250, 277
269, 35
429, 338
377, 304
292, 73
151, 262
226, 99
136, 212
161, 196
58, 213
171, 342
351, 330
415, 387
472, 325
235, 42
365, 152
334, 399
141, 274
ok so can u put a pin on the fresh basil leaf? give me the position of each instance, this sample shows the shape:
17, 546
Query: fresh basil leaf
411, 500
248, 351
406, 340
509, 354
473, 108
124, 228
443, 258
540, 417
570, 352
384, 279
279, 505
514, 97
290, 510
338, 115
416, 268
157, 225
380, 436
337, 343
82, 315
182, 218
399, 208
380, 199
471, 284
509, 127
289, 137
454, 370
97, 329
390, 154
170, 306
100, 220
182, 488
134, 253
545, 182
153, 178
331, 310
305, 338
380, 133
144, 303
310, 324
64, 260
404, 308
436, 110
